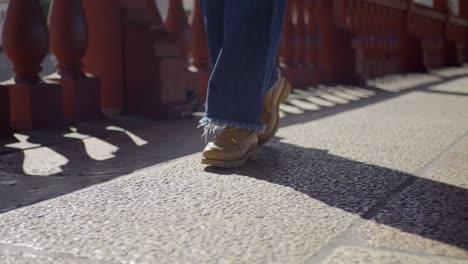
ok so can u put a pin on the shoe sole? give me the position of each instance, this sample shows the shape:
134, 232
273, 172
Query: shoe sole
282, 99
228, 164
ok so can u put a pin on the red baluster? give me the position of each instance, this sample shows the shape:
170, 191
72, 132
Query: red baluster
286, 56
105, 54
368, 25
299, 25
387, 39
26, 39
288, 44
441, 5
199, 51
4, 111
350, 10
359, 42
379, 16
68, 36
312, 34
154, 68
303, 70
33, 103
69, 42
401, 28
360, 21
339, 13
388, 49
177, 23
199, 57
365, 30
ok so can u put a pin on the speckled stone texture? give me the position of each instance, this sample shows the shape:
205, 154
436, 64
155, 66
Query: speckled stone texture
12, 254
349, 255
356, 174
432, 214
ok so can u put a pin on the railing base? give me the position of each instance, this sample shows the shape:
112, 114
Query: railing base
200, 79
5, 126
81, 98
291, 74
302, 76
157, 96
36, 106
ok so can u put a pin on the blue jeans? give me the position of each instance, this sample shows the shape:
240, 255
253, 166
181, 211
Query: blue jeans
243, 38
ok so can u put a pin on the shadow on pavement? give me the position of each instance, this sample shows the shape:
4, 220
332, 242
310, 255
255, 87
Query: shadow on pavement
433, 210
113, 149
46, 172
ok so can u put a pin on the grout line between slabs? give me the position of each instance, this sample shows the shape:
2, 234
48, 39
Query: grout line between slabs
349, 236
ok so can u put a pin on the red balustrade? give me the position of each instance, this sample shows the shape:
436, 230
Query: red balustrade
386, 37
150, 67
374, 30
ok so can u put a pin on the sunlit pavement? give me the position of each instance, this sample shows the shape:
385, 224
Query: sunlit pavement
371, 174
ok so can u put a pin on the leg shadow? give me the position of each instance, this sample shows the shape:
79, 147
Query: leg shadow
363, 189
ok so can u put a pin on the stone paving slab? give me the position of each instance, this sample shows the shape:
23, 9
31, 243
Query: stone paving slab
417, 126
351, 255
89, 158
436, 208
312, 191
9, 254
456, 87
180, 214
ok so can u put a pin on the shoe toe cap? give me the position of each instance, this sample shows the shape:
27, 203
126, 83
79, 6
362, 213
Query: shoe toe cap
214, 152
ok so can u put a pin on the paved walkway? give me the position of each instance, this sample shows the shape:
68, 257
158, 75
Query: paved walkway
356, 175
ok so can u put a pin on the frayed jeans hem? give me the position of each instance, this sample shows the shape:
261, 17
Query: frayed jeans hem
211, 125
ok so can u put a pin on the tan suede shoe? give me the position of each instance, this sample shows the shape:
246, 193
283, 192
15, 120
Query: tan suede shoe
231, 148
270, 116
